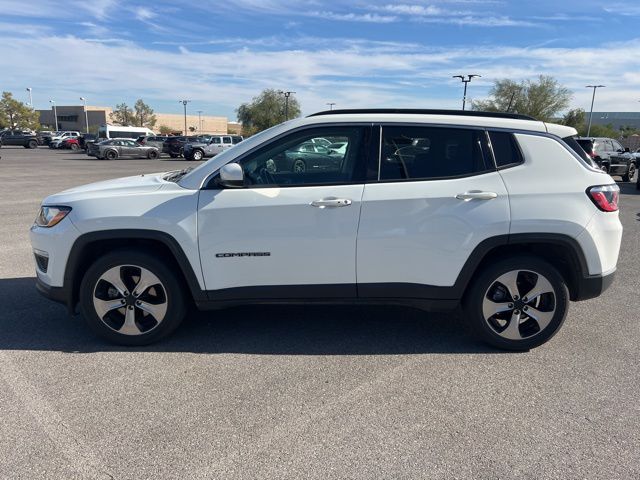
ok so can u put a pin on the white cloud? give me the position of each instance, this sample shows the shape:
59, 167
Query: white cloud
352, 17
350, 72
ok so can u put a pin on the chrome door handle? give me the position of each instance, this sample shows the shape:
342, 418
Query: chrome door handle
331, 203
476, 195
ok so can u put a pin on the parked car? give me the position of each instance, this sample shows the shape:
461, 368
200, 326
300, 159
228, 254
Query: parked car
210, 147
492, 211
174, 146
85, 139
609, 154
70, 143
305, 156
123, 147
19, 138
153, 141
44, 136
65, 134
58, 142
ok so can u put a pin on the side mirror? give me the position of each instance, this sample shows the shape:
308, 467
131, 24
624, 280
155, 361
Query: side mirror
626, 150
231, 176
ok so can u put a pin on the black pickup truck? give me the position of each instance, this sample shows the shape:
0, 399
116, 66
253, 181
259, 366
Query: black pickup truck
19, 138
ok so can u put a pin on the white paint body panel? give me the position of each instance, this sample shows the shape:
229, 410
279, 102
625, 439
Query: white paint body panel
307, 245
418, 232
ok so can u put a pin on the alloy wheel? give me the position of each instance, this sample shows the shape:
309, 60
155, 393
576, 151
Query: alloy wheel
519, 304
130, 300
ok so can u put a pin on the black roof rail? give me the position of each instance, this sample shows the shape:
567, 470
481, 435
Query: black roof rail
420, 111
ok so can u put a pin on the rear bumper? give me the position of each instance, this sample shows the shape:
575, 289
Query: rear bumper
593, 286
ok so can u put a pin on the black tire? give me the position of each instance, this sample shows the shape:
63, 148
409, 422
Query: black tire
75, 147
299, 166
173, 295
486, 329
33, 144
197, 155
630, 173
153, 154
111, 155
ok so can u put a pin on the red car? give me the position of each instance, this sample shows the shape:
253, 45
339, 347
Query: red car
70, 143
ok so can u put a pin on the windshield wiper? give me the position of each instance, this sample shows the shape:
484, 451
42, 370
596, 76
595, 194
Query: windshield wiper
177, 175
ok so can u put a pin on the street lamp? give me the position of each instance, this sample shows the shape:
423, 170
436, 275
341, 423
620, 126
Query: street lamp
199, 121
30, 97
593, 98
86, 115
286, 103
465, 80
184, 103
331, 104
55, 113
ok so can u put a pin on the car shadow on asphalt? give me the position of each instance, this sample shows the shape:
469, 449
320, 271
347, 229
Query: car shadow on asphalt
31, 322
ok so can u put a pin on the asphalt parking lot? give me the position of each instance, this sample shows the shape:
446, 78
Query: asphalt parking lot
314, 393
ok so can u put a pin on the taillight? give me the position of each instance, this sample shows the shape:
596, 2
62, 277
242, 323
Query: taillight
605, 197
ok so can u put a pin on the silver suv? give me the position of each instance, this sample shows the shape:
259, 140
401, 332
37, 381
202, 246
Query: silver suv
217, 144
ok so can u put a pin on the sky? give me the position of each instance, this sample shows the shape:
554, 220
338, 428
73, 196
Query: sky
357, 54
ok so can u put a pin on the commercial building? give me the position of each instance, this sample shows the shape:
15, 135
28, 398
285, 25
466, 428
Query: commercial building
616, 119
72, 117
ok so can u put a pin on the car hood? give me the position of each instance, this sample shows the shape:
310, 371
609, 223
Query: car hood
117, 187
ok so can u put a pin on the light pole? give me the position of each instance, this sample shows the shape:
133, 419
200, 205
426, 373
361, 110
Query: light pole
184, 104
286, 103
593, 98
465, 80
331, 104
199, 121
86, 115
30, 97
55, 113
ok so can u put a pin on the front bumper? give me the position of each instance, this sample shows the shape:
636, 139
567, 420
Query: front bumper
57, 294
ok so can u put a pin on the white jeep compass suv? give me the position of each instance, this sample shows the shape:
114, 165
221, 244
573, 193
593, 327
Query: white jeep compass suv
428, 208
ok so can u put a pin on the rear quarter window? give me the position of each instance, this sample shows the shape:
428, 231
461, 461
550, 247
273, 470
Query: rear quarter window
505, 149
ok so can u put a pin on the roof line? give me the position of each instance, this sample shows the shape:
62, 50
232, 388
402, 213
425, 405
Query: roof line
418, 111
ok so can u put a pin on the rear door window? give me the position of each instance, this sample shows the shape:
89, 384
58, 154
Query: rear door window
412, 152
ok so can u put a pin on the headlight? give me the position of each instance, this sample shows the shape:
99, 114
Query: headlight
50, 216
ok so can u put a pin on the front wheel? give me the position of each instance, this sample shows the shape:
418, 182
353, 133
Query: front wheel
518, 303
630, 173
131, 298
197, 155
111, 155
153, 154
32, 144
75, 147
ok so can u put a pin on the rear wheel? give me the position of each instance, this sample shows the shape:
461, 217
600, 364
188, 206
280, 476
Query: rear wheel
75, 147
630, 173
299, 166
111, 155
197, 155
153, 154
131, 298
518, 303
33, 144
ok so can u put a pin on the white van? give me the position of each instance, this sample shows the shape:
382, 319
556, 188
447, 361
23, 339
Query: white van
117, 131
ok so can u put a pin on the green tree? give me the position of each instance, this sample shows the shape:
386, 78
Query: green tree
600, 131
144, 116
542, 98
121, 115
165, 130
574, 118
266, 110
14, 113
